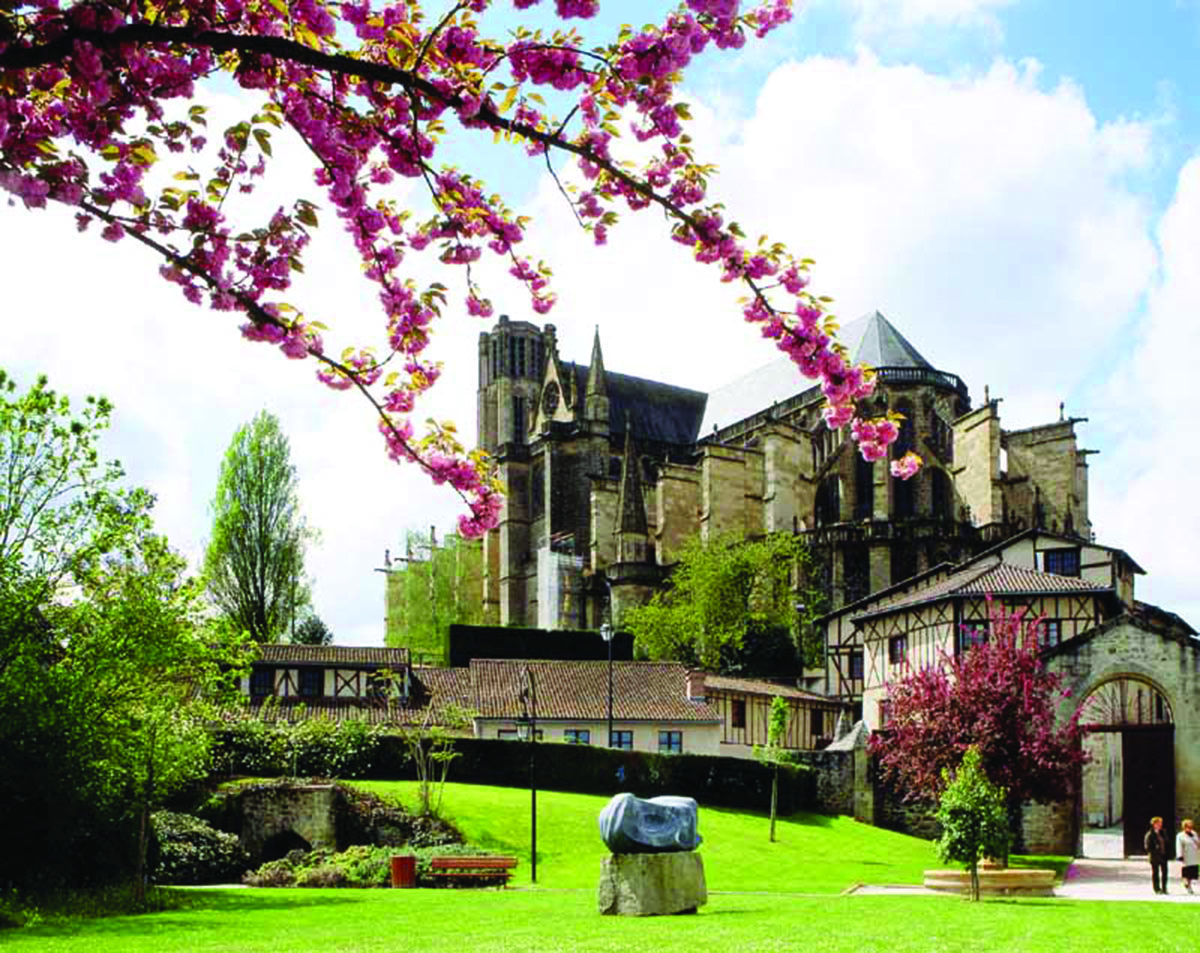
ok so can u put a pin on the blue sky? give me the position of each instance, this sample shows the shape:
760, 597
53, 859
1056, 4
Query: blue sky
1016, 185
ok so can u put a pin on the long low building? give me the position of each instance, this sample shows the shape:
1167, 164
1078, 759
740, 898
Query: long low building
652, 706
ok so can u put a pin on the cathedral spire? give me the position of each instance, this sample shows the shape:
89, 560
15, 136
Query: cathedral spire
596, 384
595, 401
631, 503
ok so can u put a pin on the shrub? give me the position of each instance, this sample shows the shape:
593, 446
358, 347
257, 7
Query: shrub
360, 866
192, 852
313, 748
274, 873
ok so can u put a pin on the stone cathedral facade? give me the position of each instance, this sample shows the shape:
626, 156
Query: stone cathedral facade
608, 474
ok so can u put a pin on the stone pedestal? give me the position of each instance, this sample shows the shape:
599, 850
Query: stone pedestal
647, 885
994, 881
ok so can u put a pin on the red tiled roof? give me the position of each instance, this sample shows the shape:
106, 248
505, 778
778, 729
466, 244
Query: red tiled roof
998, 579
322, 709
642, 691
351, 656
439, 688
758, 686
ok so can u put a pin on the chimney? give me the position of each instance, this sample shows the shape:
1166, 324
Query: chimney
695, 686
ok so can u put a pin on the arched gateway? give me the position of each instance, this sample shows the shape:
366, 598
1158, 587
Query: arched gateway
1130, 734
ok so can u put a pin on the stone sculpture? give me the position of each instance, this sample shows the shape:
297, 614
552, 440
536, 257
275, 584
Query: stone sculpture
658, 825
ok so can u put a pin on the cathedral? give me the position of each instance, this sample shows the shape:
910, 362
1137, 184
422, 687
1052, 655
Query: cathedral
608, 474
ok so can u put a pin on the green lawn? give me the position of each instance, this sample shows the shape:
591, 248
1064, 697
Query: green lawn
812, 853
783, 896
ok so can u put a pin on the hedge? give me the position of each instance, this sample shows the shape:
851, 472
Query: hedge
728, 782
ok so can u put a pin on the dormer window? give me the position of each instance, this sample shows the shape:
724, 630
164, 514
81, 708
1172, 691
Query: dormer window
312, 682
1061, 562
262, 682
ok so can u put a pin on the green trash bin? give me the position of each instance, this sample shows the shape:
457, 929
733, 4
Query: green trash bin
404, 870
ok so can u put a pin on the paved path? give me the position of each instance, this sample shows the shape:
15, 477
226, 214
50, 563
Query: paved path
1090, 879
1087, 879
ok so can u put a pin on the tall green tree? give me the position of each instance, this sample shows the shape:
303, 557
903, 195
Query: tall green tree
148, 673
731, 606
254, 564
60, 503
437, 584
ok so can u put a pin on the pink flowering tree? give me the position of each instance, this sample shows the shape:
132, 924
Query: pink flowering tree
996, 696
94, 94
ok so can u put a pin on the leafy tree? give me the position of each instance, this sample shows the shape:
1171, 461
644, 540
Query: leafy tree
254, 565
429, 743
60, 504
153, 674
773, 753
723, 596
997, 697
103, 663
312, 631
96, 95
434, 587
973, 813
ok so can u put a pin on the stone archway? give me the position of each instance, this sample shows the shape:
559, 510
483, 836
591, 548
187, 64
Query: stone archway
1130, 733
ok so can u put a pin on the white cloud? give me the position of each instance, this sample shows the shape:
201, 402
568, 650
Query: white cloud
1149, 399
899, 20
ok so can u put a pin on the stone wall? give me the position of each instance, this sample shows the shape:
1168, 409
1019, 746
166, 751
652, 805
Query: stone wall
833, 773
1168, 661
283, 815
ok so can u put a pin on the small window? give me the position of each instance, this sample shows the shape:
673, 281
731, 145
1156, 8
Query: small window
1049, 633
885, 712
262, 682
818, 722
312, 682
1062, 562
670, 742
577, 736
737, 714
622, 740
856, 664
897, 649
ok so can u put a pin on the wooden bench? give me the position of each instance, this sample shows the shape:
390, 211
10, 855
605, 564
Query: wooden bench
468, 868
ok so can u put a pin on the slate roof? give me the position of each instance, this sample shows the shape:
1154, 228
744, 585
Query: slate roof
661, 413
999, 579
871, 339
642, 691
349, 656
758, 686
874, 340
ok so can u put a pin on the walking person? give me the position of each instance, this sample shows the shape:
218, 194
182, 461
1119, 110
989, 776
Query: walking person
1187, 846
1156, 849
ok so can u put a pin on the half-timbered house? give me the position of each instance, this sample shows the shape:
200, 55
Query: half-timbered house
744, 705
1074, 584
291, 682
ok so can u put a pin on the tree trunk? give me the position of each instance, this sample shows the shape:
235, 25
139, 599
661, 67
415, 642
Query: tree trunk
774, 799
974, 880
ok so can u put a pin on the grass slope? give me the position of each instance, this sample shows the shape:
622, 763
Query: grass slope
812, 853
765, 898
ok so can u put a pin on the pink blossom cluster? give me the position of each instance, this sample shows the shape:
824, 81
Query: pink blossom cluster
370, 103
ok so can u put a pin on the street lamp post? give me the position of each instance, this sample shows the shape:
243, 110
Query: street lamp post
607, 633
527, 729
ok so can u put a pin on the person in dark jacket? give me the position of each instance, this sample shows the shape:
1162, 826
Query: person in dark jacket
1156, 850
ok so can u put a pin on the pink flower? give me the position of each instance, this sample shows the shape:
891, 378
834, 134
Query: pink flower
906, 467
